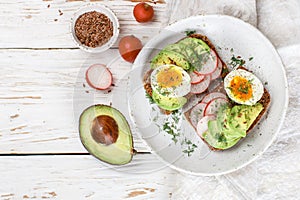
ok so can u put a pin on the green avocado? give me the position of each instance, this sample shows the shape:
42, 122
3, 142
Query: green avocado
231, 125
242, 116
224, 123
105, 133
185, 50
219, 138
168, 103
198, 45
194, 50
169, 57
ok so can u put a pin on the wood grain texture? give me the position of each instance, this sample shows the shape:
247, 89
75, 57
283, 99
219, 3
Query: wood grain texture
46, 24
42, 94
83, 177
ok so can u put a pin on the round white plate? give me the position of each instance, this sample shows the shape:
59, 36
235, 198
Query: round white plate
231, 36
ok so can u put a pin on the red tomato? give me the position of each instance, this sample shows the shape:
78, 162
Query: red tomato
129, 47
143, 12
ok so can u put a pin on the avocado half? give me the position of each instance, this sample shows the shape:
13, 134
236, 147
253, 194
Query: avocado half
105, 133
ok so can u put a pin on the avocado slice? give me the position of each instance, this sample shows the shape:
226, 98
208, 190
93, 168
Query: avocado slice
195, 51
242, 116
231, 125
183, 49
201, 52
168, 103
219, 138
198, 45
169, 57
105, 133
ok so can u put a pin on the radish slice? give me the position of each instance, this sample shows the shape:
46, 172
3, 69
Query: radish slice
214, 105
196, 78
197, 113
210, 96
217, 71
200, 87
210, 65
98, 76
202, 125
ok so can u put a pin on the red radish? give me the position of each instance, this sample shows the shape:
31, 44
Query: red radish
200, 87
197, 113
217, 71
210, 65
98, 76
210, 96
202, 125
195, 78
214, 105
143, 12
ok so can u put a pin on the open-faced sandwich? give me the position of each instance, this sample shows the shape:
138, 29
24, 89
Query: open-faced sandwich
228, 103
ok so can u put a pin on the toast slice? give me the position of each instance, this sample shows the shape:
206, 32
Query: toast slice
265, 101
146, 79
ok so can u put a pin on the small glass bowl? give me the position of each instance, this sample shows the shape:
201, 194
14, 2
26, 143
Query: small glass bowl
101, 9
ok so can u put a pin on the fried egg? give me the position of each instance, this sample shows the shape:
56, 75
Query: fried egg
170, 81
243, 87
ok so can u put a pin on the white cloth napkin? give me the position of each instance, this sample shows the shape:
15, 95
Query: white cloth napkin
280, 21
245, 10
276, 174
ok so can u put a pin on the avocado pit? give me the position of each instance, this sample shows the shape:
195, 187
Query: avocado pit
104, 130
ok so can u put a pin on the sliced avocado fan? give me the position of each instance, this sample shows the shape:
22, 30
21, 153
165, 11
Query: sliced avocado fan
231, 125
169, 57
105, 133
194, 50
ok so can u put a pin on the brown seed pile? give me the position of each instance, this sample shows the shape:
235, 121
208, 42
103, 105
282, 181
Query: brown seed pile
93, 29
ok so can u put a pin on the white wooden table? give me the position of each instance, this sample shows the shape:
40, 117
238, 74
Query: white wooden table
41, 156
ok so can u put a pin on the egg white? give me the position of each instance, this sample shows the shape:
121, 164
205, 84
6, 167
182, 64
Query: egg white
176, 91
257, 86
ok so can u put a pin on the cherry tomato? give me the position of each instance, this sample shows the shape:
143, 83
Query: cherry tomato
129, 47
143, 12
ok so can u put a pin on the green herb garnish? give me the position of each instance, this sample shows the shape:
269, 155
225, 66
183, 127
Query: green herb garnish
151, 101
190, 32
237, 61
190, 147
171, 126
244, 88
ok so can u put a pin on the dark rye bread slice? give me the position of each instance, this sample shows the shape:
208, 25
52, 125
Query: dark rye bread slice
265, 101
146, 79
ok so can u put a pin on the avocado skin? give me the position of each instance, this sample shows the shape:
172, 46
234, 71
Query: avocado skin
231, 125
169, 57
168, 103
118, 153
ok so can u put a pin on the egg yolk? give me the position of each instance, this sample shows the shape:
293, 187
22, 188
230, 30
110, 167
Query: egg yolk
241, 88
169, 78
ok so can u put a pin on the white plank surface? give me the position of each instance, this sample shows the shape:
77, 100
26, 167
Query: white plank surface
39, 24
83, 177
41, 66
43, 93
